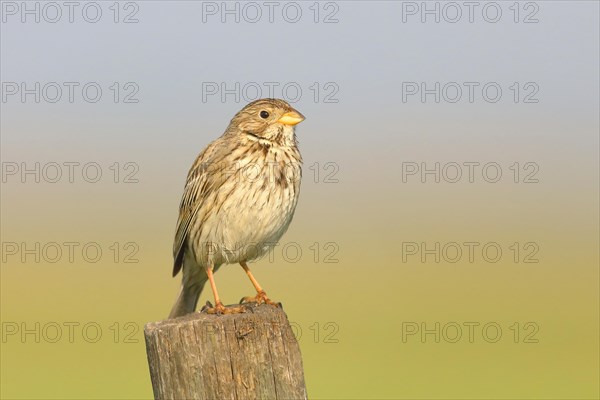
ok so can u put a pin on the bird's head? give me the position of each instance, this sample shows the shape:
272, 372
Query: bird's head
272, 120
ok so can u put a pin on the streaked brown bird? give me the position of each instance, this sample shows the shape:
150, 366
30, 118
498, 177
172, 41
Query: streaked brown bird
239, 199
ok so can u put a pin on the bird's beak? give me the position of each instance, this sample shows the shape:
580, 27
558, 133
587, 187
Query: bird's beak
291, 118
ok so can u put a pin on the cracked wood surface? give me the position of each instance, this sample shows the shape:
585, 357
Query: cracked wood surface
253, 355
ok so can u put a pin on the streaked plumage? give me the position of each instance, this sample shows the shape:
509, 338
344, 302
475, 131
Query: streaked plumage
239, 197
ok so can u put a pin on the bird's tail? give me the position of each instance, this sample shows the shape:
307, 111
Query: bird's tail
188, 299
192, 284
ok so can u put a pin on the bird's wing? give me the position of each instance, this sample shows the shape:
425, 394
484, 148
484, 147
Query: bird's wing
201, 180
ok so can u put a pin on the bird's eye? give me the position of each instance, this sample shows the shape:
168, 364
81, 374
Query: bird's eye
264, 114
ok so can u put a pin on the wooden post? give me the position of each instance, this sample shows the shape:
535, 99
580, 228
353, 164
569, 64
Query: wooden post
253, 355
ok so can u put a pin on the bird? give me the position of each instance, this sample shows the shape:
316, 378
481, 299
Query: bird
238, 200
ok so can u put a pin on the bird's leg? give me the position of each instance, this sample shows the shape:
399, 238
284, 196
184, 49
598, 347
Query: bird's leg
261, 295
219, 308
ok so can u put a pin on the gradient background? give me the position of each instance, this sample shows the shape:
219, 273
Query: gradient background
368, 213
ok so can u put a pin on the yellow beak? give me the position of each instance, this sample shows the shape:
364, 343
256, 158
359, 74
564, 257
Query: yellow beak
291, 118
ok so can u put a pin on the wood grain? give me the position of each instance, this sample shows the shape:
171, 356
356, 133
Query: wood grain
253, 355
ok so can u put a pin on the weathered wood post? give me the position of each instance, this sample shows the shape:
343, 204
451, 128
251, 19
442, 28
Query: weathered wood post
253, 355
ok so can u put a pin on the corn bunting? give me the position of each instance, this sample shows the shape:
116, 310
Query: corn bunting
239, 199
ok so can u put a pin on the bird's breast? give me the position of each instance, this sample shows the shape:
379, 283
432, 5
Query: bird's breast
259, 202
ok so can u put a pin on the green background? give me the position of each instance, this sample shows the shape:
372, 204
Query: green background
353, 302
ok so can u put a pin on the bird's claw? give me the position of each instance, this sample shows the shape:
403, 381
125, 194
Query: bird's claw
220, 309
260, 298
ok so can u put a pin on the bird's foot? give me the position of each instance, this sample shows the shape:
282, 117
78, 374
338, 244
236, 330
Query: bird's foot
260, 298
221, 309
